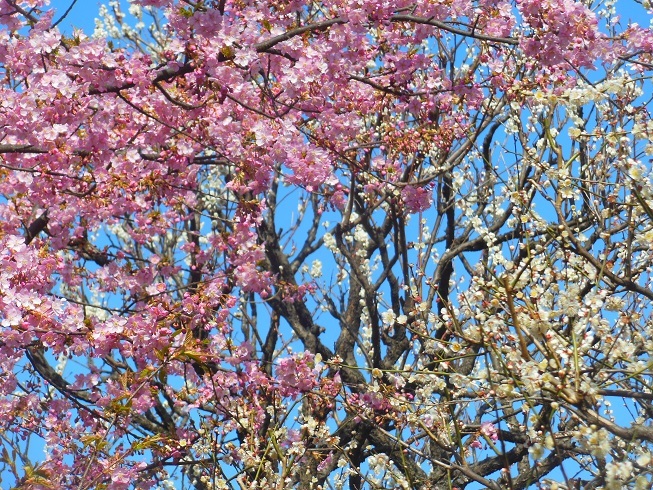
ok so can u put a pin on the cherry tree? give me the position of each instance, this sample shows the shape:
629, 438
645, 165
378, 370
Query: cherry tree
351, 244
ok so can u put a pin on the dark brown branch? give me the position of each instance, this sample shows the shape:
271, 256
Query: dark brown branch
29, 16
319, 26
21, 149
446, 27
36, 227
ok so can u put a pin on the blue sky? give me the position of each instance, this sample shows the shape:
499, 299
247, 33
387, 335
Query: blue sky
82, 14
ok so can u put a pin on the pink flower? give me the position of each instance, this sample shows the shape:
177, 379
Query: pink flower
296, 374
417, 199
488, 429
476, 444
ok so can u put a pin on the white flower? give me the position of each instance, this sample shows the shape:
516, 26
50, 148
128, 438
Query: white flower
574, 133
644, 459
636, 171
316, 269
599, 443
536, 451
330, 242
614, 303
136, 10
388, 317
617, 473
